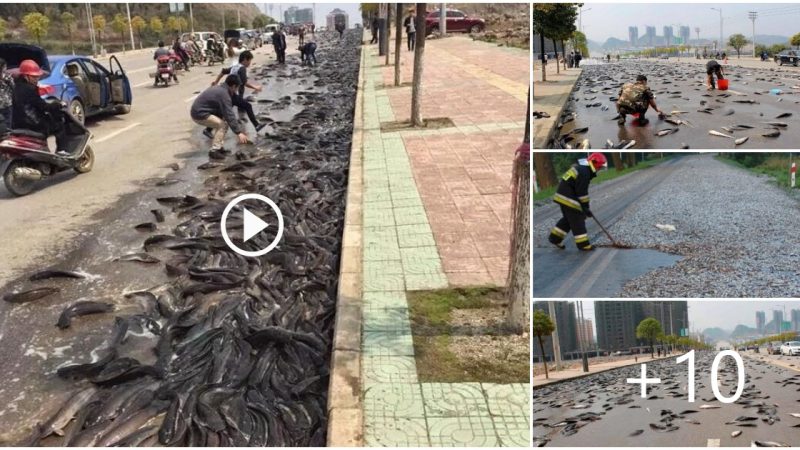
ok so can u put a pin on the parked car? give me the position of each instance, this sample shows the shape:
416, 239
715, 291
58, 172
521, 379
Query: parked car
86, 86
790, 348
789, 57
457, 21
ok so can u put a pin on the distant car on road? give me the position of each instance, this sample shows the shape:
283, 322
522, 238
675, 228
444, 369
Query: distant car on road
86, 86
787, 58
790, 348
457, 21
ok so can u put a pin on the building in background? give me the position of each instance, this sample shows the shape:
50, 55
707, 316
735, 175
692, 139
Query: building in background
298, 15
777, 319
795, 317
586, 333
617, 321
761, 322
650, 36
686, 34
672, 315
337, 16
668, 35
567, 325
633, 36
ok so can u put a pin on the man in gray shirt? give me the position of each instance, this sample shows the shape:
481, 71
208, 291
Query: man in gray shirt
213, 108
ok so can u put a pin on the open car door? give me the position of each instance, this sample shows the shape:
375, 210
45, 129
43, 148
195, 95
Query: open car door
120, 86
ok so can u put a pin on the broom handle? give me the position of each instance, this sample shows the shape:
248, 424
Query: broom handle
604, 230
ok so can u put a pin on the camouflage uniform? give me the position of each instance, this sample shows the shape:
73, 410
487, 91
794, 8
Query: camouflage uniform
634, 98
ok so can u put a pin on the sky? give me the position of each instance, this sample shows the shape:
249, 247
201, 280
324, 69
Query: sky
603, 20
723, 314
322, 10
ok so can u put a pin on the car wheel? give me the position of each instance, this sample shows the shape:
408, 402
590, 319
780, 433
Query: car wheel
475, 29
433, 29
122, 109
77, 111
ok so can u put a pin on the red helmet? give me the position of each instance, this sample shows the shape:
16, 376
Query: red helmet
598, 160
29, 67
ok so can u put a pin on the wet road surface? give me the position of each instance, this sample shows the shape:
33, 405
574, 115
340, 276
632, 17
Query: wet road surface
602, 410
679, 89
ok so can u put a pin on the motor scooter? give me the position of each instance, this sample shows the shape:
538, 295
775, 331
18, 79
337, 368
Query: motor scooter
29, 158
165, 71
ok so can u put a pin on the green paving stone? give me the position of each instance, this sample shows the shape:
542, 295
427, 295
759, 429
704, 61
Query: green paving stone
384, 282
395, 432
422, 266
387, 204
395, 319
410, 219
379, 220
425, 282
462, 432
419, 228
372, 268
376, 197
410, 254
507, 399
408, 202
380, 253
404, 195
454, 399
514, 431
389, 369
393, 400
380, 235
385, 299
415, 240
409, 211
387, 343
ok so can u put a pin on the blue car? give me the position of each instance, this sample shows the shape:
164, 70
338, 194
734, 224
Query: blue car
82, 83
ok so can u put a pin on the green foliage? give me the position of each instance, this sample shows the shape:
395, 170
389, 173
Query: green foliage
649, 329
172, 24
795, 40
262, 20
119, 24
37, 25
156, 25
556, 20
579, 43
139, 25
2, 28
542, 324
738, 41
99, 22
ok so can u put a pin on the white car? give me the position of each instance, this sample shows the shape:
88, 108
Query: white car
790, 348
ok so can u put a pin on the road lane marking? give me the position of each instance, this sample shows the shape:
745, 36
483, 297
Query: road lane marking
713, 443
588, 283
565, 288
142, 84
117, 133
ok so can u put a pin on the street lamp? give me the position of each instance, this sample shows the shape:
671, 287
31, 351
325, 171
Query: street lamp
721, 43
580, 18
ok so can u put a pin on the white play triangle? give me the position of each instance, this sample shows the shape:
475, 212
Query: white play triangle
252, 225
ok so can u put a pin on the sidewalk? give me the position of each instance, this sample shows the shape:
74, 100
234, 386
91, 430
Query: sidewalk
569, 374
428, 196
776, 360
550, 97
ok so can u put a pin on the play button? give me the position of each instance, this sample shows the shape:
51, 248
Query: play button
251, 224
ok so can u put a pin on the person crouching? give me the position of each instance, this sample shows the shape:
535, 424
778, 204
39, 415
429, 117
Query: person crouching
213, 108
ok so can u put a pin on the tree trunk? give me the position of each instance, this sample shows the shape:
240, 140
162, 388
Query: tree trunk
398, 41
617, 159
544, 358
544, 58
564, 54
545, 173
388, 30
419, 52
518, 316
555, 47
631, 158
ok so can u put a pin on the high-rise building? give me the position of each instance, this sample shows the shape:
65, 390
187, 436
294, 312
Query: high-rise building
686, 34
795, 316
777, 319
761, 321
586, 333
617, 321
668, 35
298, 15
567, 326
337, 16
650, 36
671, 315
633, 36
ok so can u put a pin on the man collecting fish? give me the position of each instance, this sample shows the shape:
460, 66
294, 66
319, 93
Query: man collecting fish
635, 98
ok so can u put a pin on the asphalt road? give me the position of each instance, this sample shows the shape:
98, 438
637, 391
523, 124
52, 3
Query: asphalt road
602, 273
608, 411
679, 86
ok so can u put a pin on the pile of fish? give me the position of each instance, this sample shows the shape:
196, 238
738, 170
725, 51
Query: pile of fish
240, 347
590, 114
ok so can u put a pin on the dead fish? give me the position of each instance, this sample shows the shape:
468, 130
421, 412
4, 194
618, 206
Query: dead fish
580, 406
45, 274
636, 433
772, 133
167, 182
666, 131
728, 112
768, 444
673, 121
208, 165
29, 296
174, 166
146, 227
736, 433
781, 116
717, 133
741, 140
709, 406
751, 102
746, 127
158, 215
692, 421
585, 144
59, 421
82, 309
777, 124
794, 415
139, 257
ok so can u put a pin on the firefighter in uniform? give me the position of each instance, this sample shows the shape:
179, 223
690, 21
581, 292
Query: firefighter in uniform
573, 197
635, 98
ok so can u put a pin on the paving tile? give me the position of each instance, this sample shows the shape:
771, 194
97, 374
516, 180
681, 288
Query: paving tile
462, 432
384, 282
395, 432
425, 282
385, 299
389, 369
422, 266
454, 399
387, 319
409, 254
507, 399
416, 240
393, 400
513, 431
393, 266
387, 343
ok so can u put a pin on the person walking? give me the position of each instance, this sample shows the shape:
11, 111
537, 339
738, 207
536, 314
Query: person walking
279, 43
373, 29
411, 29
213, 108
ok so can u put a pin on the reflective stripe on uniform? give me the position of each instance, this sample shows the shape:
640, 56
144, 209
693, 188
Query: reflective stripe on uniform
571, 173
584, 199
566, 201
581, 238
558, 232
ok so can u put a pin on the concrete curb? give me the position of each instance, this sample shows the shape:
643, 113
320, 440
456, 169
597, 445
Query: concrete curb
583, 375
540, 141
345, 402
